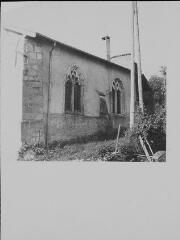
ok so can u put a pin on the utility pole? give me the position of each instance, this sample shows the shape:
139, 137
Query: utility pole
139, 61
132, 105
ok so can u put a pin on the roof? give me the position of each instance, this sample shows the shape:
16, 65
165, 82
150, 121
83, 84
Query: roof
83, 52
36, 34
20, 31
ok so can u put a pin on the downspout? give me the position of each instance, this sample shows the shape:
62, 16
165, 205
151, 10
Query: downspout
48, 97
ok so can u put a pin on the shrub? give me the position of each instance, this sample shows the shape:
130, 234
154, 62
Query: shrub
157, 131
158, 87
126, 150
152, 127
24, 148
37, 149
105, 150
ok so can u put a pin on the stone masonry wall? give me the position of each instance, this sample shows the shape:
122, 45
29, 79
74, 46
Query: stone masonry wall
97, 77
66, 126
32, 116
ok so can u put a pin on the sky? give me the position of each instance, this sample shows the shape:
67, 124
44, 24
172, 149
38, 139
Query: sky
83, 24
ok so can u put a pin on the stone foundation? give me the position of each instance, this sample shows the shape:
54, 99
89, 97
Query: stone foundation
68, 126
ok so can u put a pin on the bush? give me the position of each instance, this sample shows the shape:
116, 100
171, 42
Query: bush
158, 87
24, 148
37, 149
151, 127
157, 131
105, 150
126, 151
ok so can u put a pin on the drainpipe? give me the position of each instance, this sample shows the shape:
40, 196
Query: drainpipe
48, 97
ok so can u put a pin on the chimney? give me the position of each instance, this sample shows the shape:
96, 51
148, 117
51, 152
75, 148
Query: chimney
107, 38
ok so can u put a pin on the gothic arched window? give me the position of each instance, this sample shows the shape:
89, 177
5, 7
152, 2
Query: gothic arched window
118, 99
73, 90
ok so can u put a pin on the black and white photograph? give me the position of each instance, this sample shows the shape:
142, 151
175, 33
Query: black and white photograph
87, 85
86, 93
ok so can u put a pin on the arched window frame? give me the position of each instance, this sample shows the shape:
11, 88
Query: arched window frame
118, 97
76, 78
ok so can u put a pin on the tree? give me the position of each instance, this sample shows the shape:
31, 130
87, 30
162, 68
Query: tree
163, 71
158, 85
157, 132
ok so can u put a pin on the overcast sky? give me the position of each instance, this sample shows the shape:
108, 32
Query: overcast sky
83, 24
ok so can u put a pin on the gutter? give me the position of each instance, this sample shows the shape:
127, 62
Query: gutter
48, 97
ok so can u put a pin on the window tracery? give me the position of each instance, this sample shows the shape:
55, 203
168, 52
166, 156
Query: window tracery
73, 90
118, 103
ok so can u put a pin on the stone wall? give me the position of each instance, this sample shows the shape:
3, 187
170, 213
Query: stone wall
33, 97
97, 78
66, 126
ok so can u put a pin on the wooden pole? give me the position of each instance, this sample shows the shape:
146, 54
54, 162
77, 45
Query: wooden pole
145, 149
117, 138
139, 61
132, 70
149, 147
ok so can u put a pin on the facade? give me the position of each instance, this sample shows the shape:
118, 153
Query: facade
68, 93
63, 93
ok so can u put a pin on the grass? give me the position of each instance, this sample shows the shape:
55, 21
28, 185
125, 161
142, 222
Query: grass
93, 147
90, 148
91, 151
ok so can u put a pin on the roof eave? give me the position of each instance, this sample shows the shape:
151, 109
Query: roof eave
20, 31
83, 52
36, 34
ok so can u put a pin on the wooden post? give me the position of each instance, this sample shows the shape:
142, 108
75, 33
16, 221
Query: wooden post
139, 61
117, 137
144, 148
149, 147
132, 71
